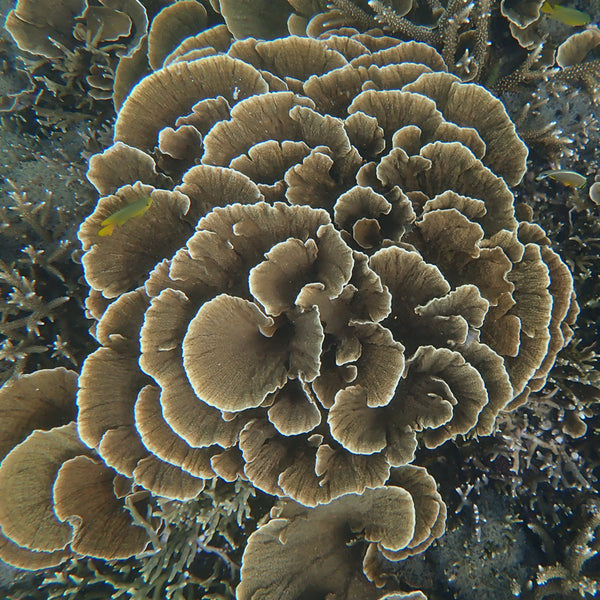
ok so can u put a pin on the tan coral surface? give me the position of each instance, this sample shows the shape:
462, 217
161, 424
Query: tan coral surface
330, 275
58, 498
357, 284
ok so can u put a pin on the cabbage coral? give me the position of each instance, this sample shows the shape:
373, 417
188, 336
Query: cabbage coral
57, 498
82, 40
330, 275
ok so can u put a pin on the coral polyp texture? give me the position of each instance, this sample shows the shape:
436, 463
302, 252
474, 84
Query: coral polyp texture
82, 40
58, 499
327, 274
293, 570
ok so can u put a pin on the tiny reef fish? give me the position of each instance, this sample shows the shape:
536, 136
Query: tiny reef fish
570, 178
564, 14
135, 209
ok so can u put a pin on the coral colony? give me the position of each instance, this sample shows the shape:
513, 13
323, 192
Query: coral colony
333, 323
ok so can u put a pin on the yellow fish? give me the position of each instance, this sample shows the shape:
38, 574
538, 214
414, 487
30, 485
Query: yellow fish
135, 209
564, 14
565, 177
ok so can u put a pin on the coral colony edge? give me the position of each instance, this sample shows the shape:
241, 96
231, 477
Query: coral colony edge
323, 324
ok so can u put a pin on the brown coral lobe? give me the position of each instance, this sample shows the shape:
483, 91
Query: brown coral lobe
330, 277
274, 309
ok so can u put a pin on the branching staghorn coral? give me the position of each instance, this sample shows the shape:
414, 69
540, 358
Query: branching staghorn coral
568, 577
557, 68
39, 291
571, 221
456, 22
571, 58
577, 377
456, 28
459, 29
23, 313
